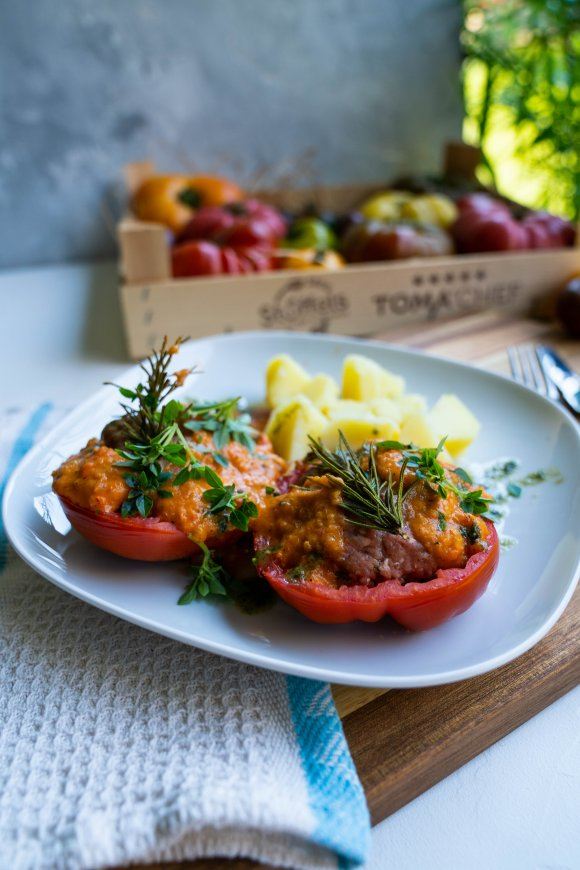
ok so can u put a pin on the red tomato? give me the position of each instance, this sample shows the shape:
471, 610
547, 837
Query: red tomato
145, 539
487, 224
481, 203
208, 258
493, 231
149, 540
247, 232
417, 606
244, 223
548, 230
196, 258
232, 240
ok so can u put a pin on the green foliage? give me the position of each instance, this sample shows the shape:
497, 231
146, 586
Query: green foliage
522, 97
207, 578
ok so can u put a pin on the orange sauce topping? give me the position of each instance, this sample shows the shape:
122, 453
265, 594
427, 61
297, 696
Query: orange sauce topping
92, 480
307, 526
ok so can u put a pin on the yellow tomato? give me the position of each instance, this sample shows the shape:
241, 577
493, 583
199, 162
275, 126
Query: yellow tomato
432, 208
385, 206
309, 258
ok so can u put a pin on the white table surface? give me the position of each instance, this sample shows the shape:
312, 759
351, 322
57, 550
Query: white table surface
517, 805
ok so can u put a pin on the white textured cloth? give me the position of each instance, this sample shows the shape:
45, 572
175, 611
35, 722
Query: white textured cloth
119, 746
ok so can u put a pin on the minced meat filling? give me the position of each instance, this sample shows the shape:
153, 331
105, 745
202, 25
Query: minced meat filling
313, 539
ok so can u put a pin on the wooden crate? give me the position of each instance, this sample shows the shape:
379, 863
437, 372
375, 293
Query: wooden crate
357, 300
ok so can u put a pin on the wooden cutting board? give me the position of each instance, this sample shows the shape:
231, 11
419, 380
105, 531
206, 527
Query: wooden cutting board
405, 741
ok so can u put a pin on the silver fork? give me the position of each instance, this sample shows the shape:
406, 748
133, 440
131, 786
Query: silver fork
527, 370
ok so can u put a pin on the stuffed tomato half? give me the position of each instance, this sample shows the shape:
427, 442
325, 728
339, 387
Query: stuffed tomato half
385, 530
168, 479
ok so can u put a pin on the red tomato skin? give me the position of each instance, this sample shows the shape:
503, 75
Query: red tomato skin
248, 232
246, 265
453, 591
143, 539
416, 606
196, 258
539, 236
480, 204
146, 540
231, 262
191, 259
495, 231
244, 223
207, 223
487, 224
260, 259
557, 232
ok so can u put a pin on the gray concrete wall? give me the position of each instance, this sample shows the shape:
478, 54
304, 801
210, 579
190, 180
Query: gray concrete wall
364, 88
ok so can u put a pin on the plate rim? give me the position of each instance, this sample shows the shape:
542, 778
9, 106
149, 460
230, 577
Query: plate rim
269, 661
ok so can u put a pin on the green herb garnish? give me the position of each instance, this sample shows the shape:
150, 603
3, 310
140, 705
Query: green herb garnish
261, 556
226, 500
147, 416
366, 499
207, 578
470, 533
146, 477
541, 476
224, 421
425, 464
441, 520
156, 441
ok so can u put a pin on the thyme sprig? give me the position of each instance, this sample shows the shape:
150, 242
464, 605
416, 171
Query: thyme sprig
426, 466
155, 442
147, 413
207, 578
366, 499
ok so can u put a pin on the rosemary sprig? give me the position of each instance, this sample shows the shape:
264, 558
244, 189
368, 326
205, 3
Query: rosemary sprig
145, 415
425, 464
366, 499
207, 578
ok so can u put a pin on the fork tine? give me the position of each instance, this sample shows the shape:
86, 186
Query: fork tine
551, 388
526, 369
536, 372
515, 364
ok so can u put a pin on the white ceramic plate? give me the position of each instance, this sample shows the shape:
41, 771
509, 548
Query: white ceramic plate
533, 584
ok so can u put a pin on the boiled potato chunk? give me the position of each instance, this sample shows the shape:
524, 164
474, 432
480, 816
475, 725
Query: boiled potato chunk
284, 378
343, 408
291, 423
322, 390
358, 431
451, 417
416, 429
390, 408
363, 380
412, 403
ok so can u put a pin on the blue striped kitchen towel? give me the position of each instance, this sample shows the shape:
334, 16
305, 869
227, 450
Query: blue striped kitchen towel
119, 746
